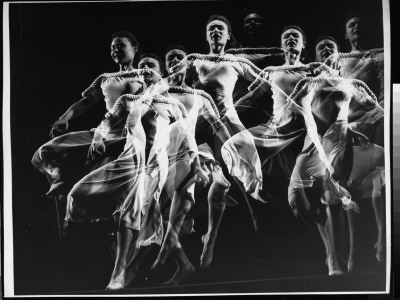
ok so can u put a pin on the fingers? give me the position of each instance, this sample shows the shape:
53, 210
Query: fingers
51, 134
90, 154
55, 131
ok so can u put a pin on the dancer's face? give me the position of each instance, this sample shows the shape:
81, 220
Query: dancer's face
173, 57
150, 63
292, 40
122, 51
354, 28
252, 23
217, 33
324, 49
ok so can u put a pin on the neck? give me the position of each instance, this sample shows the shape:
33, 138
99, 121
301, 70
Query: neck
356, 46
128, 67
217, 49
292, 59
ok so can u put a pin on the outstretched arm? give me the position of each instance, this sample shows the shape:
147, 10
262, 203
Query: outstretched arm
78, 108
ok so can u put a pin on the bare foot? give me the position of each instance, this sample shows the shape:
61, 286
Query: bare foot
117, 283
162, 256
181, 273
207, 254
350, 265
380, 255
334, 268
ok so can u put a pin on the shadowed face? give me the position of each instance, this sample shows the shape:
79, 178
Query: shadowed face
253, 23
354, 29
150, 63
324, 49
173, 57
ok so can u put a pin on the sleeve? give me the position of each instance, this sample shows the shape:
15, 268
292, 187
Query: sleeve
110, 119
94, 89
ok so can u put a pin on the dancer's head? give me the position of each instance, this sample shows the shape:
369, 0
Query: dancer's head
151, 61
174, 54
293, 39
219, 33
253, 22
354, 26
325, 46
219, 30
124, 46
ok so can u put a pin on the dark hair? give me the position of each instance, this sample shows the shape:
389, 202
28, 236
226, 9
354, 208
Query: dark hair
326, 37
126, 34
221, 18
251, 11
298, 29
176, 46
232, 42
155, 56
352, 15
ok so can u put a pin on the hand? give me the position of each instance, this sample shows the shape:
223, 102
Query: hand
202, 178
152, 78
96, 149
59, 127
125, 131
107, 115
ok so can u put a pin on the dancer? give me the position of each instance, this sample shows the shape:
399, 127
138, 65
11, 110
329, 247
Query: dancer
291, 120
278, 141
333, 218
321, 169
367, 118
217, 74
63, 159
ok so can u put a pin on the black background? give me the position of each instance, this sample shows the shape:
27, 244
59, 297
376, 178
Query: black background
58, 49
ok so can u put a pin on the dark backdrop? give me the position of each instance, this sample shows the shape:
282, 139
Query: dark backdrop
58, 49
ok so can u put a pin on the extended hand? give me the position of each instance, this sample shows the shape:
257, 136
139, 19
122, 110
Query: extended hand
96, 149
59, 127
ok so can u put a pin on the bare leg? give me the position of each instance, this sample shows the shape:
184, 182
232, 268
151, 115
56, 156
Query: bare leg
216, 207
134, 264
378, 206
184, 266
180, 206
178, 182
141, 252
338, 226
125, 236
327, 235
248, 199
352, 226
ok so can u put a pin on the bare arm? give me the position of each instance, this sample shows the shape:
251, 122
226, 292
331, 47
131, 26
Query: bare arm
111, 117
75, 110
